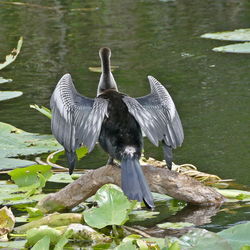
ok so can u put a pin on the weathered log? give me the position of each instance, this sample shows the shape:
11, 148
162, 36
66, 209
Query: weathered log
161, 180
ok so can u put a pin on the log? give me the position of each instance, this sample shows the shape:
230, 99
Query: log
160, 180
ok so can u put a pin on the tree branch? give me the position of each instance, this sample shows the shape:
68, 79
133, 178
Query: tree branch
161, 180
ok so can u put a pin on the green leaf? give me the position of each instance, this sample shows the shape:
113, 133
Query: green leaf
10, 195
234, 48
6, 95
13, 55
45, 111
27, 176
235, 194
113, 207
63, 178
175, 246
245, 248
36, 234
177, 225
236, 35
126, 245
199, 239
81, 152
11, 163
34, 212
18, 244
155, 243
2, 80
141, 215
42, 244
238, 236
61, 243
15, 142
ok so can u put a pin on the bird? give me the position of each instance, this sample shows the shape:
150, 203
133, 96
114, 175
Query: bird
119, 123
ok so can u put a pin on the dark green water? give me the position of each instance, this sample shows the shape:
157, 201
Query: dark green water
150, 37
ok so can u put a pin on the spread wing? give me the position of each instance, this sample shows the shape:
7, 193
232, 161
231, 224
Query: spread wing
157, 115
76, 119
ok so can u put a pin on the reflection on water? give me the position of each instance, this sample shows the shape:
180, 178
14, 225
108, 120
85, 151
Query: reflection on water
160, 38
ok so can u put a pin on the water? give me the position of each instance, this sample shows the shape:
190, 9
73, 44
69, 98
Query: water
150, 37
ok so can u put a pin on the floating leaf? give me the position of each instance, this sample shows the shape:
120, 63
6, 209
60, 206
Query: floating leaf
99, 69
6, 95
238, 235
13, 55
27, 176
234, 48
42, 244
36, 234
235, 194
11, 163
15, 142
236, 35
18, 244
63, 178
10, 195
199, 239
45, 111
126, 245
2, 80
141, 215
113, 207
63, 241
34, 212
81, 152
177, 225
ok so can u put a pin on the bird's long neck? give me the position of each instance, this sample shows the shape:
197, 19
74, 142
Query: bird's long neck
107, 80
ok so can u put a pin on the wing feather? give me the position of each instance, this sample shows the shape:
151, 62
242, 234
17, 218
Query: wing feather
76, 119
162, 121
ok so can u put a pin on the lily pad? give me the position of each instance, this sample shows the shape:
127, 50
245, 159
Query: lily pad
63, 178
243, 48
17, 244
238, 235
177, 225
24, 177
15, 142
42, 244
13, 55
2, 80
36, 234
235, 194
6, 95
113, 207
11, 163
236, 35
202, 239
141, 215
126, 245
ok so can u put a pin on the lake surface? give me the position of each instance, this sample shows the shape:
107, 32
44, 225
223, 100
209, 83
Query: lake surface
150, 37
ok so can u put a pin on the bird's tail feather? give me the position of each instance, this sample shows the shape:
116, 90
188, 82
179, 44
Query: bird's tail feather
134, 184
72, 158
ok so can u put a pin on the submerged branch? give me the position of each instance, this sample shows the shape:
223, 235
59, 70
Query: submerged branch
161, 180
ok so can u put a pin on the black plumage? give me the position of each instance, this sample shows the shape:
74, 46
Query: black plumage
118, 122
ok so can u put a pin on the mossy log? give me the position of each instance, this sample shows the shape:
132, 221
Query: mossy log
160, 180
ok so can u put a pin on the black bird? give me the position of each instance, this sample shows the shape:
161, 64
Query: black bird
118, 122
